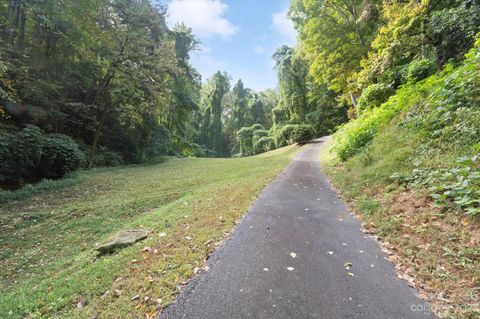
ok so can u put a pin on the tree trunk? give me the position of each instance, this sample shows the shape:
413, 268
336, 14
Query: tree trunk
98, 132
354, 100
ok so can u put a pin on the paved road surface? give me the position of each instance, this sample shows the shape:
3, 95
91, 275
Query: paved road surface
287, 260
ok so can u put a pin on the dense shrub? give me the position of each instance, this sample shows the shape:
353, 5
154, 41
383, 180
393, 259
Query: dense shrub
105, 157
395, 76
244, 138
443, 109
279, 115
258, 134
374, 95
419, 70
60, 155
199, 150
29, 155
161, 143
283, 135
452, 31
264, 144
257, 127
354, 135
303, 133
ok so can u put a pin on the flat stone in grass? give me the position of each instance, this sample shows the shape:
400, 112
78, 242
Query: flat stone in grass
122, 239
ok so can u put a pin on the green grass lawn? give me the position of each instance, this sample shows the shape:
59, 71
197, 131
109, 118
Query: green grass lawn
48, 265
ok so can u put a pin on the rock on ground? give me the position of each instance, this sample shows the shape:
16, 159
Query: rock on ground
123, 239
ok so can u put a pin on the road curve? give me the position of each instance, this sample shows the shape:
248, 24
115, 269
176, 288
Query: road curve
299, 253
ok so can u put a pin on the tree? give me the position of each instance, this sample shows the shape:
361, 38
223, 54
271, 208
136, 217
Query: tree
335, 36
256, 108
240, 96
292, 72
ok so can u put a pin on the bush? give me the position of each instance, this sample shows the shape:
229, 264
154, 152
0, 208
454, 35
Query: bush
244, 138
279, 115
7, 163
258, 134
20, 155
283, 135
105, 157
303, 133
161, 143
374, 96
257, 127
29, 156
395, 76
264, 144
452, 31
419, 70
60, 155
199, 150
355, 135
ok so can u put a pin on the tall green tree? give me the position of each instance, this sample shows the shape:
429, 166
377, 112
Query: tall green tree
292, 72
240, 100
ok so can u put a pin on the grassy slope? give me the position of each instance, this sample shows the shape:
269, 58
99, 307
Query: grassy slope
48, 263
425, 127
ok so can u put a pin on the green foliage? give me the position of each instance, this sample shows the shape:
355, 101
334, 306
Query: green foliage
355, 135
122, 77
21, 154
374, 95
439, 121
334, 43
303, 133
105, 157
258, 134
455, 188
244, 138
29, 155
263, 144
60, 155
452, 31
257, 127
292, 70
279, 115
283, 135
419, 70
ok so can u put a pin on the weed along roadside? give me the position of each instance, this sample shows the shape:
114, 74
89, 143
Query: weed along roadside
49, 266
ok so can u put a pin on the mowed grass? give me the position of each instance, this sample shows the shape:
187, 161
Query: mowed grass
48, 264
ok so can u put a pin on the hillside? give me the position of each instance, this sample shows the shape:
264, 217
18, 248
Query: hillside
410, 168
47, 241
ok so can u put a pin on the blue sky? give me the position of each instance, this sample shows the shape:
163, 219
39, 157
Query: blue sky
238, 36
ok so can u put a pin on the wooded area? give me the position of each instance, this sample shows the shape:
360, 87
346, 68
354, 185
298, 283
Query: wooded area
100, 83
